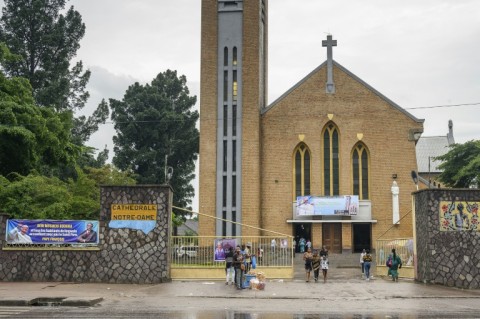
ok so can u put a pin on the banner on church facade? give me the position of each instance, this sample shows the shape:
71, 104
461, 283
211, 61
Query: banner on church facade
52, 231
459, 216
327, 205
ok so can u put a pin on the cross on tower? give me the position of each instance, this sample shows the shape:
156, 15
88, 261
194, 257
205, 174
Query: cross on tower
329, 43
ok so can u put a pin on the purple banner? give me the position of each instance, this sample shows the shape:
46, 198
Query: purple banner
222, 246
52, 231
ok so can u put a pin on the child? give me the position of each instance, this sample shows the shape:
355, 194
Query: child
324, 266
316, 265
308, 257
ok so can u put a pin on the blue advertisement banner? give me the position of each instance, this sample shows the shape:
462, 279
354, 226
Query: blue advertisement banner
144, 226
52, 231
327, 205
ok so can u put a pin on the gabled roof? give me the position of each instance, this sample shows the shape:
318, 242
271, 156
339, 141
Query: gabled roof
429, 147
189, 225
356, 78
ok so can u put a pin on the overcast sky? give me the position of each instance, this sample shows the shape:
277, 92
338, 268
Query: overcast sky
417, 53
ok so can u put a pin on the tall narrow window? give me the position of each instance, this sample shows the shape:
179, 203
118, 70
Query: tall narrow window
234, 120
224, 193
234, 156
331, 181
234, 226
225, 120
356, 172
234, 59
225, 56
234, 191
224, 224
225, 155
301, 167
234, 86
225, 86
360, 171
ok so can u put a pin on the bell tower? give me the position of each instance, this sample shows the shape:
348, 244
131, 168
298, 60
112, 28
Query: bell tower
232, 94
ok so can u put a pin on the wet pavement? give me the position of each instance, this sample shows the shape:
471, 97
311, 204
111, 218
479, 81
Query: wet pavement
344, 295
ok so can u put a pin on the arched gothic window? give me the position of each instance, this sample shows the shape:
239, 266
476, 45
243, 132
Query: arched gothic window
360, 171
331, 178
301, 170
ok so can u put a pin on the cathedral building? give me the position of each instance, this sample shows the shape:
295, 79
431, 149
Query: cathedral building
329, 138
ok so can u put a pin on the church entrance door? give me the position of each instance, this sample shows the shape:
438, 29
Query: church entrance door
304, 231
362, 238
332, 237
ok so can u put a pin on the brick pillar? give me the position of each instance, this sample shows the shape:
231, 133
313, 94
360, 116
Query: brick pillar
347, 238
317, 235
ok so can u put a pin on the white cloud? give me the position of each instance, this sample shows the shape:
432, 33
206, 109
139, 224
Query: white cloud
417, 53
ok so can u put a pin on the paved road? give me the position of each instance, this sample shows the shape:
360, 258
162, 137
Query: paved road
345, 295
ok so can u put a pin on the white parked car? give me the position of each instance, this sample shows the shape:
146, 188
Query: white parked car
187, 251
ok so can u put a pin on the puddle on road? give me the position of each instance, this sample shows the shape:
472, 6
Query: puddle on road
253, 315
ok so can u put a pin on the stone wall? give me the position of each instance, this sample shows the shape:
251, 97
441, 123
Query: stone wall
450, 258
122, 256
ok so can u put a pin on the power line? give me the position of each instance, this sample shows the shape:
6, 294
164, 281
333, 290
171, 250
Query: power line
182, 119
437, 106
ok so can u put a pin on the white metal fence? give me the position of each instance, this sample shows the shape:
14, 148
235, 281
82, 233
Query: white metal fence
199, 251
403, 248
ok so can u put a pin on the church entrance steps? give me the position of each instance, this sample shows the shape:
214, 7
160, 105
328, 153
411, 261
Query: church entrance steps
344, 266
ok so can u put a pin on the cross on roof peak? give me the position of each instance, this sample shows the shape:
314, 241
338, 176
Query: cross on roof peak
329, 43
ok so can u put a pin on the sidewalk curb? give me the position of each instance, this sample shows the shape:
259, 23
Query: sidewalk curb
51, 301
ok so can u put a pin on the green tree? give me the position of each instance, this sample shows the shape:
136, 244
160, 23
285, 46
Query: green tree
110, 175
84, 127
47, 41
461, 165
154, 121
38, 197
30, 137
35, 197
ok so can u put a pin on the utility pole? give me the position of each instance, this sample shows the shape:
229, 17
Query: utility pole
168, 171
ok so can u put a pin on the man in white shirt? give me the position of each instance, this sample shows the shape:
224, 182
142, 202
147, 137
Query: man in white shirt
19, 235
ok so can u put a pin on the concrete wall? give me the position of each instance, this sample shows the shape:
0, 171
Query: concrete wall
450, 258
123, 255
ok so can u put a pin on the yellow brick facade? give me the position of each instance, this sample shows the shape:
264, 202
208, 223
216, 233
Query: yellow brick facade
269, 140
356, 110
208, 118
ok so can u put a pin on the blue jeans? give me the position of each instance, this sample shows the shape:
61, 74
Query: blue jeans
238, 277
230, 272
367, 269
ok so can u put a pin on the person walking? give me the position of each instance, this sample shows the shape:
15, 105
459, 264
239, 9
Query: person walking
229, 270
362, 265
324, 266
316, 265
259, 255
367, 260
396, 264
301, 244
273, 245
248, 257
324, 251
308, 257
239, 267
